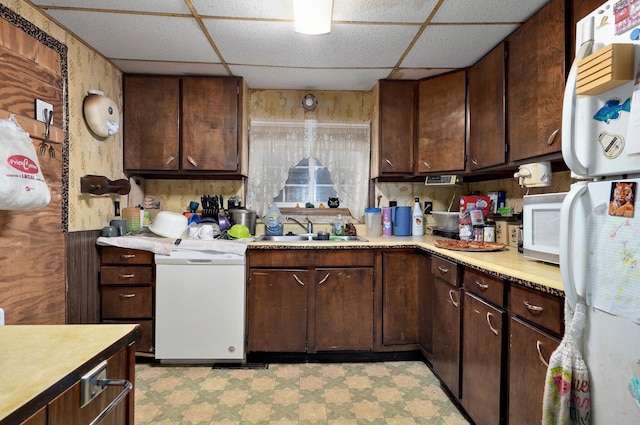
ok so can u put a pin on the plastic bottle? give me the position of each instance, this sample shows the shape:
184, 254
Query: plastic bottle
273, 222
338, 227
417, 219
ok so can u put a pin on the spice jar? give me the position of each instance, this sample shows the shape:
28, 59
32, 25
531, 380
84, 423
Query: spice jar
478, 232
490, 232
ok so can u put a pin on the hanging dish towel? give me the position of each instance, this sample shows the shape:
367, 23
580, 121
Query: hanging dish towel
567, 398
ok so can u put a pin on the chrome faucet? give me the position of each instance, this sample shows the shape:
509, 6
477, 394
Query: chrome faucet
308, 227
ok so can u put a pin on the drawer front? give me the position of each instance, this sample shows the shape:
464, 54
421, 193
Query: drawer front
114, 275
111, 255
146, 326
488, 287
344, 258
445, 270
537, 307
126, 302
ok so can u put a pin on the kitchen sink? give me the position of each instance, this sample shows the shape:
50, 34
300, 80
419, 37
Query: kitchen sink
309, 238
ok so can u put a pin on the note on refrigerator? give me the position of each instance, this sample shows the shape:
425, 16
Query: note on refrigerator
614, 263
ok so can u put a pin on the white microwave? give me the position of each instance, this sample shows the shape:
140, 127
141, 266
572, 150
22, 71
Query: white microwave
541, 226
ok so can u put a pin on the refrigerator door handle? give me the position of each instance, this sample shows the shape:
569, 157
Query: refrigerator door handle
569, 153
573, 289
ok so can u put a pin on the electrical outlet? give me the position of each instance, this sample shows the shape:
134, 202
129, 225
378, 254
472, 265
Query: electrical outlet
41, 105
428, 207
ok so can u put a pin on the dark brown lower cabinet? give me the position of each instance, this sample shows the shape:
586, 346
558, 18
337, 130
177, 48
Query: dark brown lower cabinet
277, 310
482, 360
446, 334
401, 273
344, 309
425, 308
529, 352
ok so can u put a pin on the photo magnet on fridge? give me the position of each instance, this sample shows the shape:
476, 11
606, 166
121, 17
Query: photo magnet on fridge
622, 198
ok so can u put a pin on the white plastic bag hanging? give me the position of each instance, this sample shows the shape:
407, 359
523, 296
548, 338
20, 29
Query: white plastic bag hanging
22, 185
567, 396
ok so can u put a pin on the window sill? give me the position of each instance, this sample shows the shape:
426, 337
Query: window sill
315, 211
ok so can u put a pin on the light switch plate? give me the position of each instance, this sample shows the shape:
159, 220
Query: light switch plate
41, 105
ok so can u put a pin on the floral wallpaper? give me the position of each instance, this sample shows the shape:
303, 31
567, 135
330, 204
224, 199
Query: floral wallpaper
88, 154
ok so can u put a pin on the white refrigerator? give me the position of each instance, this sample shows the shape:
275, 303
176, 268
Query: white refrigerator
600, 221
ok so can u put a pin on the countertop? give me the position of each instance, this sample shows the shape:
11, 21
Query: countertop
37, 360
507, 263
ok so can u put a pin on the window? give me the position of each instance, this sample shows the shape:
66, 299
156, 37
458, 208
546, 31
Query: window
308, 181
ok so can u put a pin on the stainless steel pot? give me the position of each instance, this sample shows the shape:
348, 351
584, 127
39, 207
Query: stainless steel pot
245, 217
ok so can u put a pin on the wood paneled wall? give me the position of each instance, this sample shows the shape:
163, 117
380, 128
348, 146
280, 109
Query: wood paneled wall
83, 265
32, 243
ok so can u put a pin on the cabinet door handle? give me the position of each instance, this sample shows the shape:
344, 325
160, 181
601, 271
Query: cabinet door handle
552, 138
127, 296
126, 276
426, 164
544, 362
324, 279
494, 330
474, 161
127, 256
170, 160
192, 161
482, 286
298, 280
533, 308
388, 162
443, 270
455, 303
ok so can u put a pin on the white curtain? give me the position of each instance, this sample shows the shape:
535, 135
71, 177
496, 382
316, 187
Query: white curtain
276, 146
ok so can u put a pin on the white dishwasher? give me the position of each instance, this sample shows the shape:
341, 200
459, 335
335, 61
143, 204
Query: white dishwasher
200, 307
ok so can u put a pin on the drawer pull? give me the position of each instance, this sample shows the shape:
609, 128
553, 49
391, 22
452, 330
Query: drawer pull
533, 308
127, 256
494, 330
455, 303
298, 280
126, 276
544, 362
127, 296
127, 386
443, 270
324, 279
482, 286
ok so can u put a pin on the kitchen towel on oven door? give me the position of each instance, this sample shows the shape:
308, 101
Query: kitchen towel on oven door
567, 397
22, 185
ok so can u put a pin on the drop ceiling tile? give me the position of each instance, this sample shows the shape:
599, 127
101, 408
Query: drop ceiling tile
159, 6
455, 46
276, 44
487, 10
293, 78
418, 73
416, 11
143, 37
170, 68
251, 9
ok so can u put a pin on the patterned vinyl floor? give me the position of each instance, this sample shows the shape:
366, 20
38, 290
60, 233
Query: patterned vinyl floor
403, 392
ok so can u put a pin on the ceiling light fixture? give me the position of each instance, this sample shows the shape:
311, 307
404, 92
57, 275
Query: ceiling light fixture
312, 16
